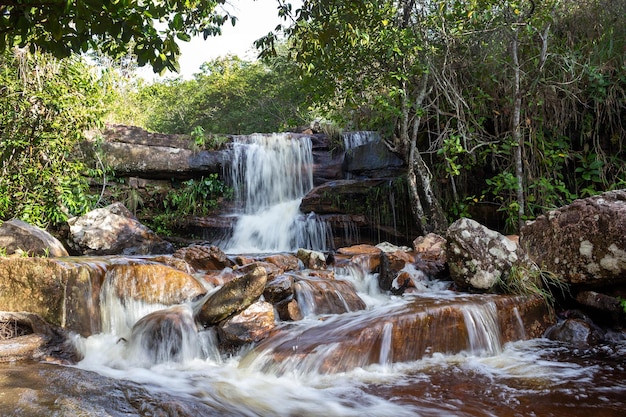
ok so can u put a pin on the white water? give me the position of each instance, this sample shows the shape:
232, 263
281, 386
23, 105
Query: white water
270, 175
239, 388
354, 139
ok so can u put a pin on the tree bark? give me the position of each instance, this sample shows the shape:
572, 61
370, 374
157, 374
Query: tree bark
427, 212
517, 133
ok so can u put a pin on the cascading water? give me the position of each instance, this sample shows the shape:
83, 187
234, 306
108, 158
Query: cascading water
270, 175
353, 139
433, 353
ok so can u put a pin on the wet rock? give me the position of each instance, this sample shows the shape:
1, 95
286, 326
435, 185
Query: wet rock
373, 159
203, 257
404, 333
26, 336
16, 235
608, 308
279, 288
113, 230
289, 310
233, 297
285, 262
312, 259
320, 296
173, 262
249, 326
584, 242
575, 331
63, 293
365, 256
481, 259
163, 336
153, 283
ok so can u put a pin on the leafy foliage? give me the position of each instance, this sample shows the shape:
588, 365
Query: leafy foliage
63, 27
228, 96
524, 131
46, 108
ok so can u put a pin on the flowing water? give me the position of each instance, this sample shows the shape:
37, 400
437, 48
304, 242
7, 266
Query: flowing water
150, 360
533, 377
270, 175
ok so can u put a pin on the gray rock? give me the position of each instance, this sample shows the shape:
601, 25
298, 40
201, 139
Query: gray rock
16, 235
113, 230
480, 258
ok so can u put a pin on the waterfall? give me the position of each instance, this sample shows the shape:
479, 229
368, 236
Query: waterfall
354, 139
270, 175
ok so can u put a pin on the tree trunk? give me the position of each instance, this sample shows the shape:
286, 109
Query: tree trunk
427, 212
517, 134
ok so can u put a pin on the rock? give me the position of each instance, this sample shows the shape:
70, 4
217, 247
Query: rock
480, 259
233, 297
289, 310
113, 230
584, 242
575, 331
373, 159
18, 235
249, 326
608, 308
431, 247
404, 333
153, 283
26, 336
163, 336
203, 257
320, 296
312, 259
63, 293
278, 289
285, 262
132, 151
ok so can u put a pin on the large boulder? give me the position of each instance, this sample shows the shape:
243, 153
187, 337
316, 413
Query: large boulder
584, 242
132, 151
16, 235
234, 296
63, 293
373, 160
113, 230
481, 259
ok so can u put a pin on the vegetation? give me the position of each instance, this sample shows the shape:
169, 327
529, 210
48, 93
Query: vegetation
46, 108
152, 27
228, 96
514, 104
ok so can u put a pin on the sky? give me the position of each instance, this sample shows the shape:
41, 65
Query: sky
255, 19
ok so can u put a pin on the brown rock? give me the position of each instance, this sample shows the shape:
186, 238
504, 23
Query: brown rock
18, 235
63, 293
584, 242
289, 310
279, 288
320, 296
233, 297
249, 326
202, 257
285, 262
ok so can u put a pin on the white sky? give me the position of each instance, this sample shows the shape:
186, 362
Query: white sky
255, 19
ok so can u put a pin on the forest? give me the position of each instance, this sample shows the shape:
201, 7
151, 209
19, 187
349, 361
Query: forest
514, 106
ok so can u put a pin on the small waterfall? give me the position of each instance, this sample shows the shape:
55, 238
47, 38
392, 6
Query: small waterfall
354, 139
270, 175
481, 321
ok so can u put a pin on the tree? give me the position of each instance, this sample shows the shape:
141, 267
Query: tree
46, 106
372, 53
63, 27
